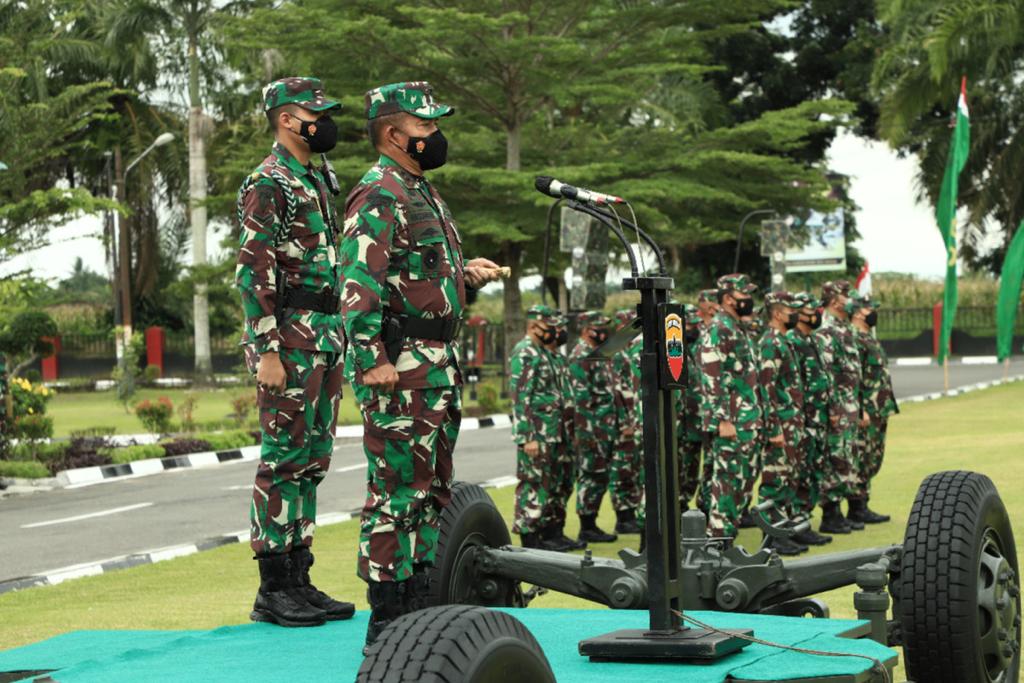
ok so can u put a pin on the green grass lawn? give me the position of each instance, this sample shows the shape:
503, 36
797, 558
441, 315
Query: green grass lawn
979, 431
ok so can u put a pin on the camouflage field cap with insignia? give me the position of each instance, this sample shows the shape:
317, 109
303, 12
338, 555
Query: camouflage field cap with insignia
308, 93
593, 319
412, 97
781, 297
708, 296
833, 288
544, 314
856, 301
805, 300
735, 282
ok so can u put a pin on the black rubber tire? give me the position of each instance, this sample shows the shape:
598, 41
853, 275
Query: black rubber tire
470, 520
456, 644
957, 532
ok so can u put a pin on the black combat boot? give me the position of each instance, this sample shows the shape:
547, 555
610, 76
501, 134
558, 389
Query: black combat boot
626, 522
747, 520
860, 512
573, 544
832, 520
785, 546
302, 560
529, 540
811, 537
387, 602
591, 533
277, 601
551, 539
872, 517
853, 519
417, 590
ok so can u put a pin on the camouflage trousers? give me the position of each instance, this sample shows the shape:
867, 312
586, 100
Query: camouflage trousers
689, 466
781, 468
838, 464
533, 492
870, 452
808, 491
297, 427
624, 482
408, 439
734, 463
594, 446
563, 476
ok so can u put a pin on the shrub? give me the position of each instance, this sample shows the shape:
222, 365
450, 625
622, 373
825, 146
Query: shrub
126, 454
186, 410
151, 374
23, 469
126, 374
241, 406
155, 416
33, 375
93, 431
226, 441
83, 452
186, 446
43, 452
29, 398
487, 398
33, 427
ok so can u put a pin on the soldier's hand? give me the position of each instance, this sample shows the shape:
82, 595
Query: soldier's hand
531, 448
628, 432
383, 378
778, 441
480, 271
834, 420
864, 419
270, 372
727, 430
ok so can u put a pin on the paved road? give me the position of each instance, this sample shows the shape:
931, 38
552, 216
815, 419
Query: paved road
47, 531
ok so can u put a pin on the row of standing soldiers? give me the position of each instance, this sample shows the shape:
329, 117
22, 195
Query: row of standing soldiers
799, 399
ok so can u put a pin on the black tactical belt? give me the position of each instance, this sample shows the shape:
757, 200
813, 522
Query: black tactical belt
436, 329
324, 301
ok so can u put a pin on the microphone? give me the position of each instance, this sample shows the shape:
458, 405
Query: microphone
556, 188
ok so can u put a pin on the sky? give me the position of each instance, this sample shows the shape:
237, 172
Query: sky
897, 234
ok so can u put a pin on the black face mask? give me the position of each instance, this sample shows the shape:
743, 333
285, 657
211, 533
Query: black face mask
792, 320
744, 307
548, 335
562, 337
813, 321
691, 335
429, 152
599, 335
321, 135
871, 318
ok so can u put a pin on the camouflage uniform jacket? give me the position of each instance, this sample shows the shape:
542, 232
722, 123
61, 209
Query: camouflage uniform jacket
780, 381
593, 385
539, 385
816, 380
401, 253
626, 364
302, 250
729, 369
692, 397
841, 358
877, 396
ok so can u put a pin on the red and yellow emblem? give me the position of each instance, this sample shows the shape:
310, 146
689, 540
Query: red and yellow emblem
674, 345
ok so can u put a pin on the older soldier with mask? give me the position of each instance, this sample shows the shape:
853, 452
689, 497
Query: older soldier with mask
404, 293
288, 276
729, 367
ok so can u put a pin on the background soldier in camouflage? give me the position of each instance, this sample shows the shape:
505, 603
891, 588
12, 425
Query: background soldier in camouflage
689, 435
728, 366
783, 411
707, 305
878, 402
594, 393
817, 389
538, 397
287, 275
404, 293
625, 487
841, 358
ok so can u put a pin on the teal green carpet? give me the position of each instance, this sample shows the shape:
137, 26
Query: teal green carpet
262, 652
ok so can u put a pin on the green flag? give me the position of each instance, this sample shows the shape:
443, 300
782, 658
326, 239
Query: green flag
945, 213
1009, 294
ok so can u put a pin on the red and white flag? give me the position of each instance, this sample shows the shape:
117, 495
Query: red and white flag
864, 280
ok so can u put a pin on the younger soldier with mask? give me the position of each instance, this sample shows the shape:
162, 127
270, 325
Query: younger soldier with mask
404, 294
783, 411
538, 404
625, 487
817, 386
288, 278
878, 402
733, 417
593, 384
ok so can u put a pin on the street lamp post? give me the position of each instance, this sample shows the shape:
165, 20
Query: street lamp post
117, 192
739, 234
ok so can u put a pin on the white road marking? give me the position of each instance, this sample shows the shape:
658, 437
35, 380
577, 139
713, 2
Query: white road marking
76, 518
239, 487
351, 468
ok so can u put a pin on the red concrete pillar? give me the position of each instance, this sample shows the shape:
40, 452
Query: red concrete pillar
156, 338
936, 328
50, 366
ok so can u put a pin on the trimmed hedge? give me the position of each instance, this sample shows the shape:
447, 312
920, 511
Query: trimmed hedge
225, 441
125, 454
23, 469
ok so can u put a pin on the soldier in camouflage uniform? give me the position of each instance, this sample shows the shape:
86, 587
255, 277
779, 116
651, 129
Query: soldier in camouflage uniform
625, 487
405, 281
878, 402
689, 435
817, 386
783, 396
728, 365
841, 358
539, 388
288, 277
593, 385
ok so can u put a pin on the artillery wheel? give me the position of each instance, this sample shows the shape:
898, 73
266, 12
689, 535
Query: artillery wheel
959, 584
456, 643
469, 522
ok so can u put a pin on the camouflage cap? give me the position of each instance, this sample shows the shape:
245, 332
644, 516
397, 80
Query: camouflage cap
308, 93
735, 282
781, 297
833, 288
856, 301
691, 315
806, 300
624, 316
593, 319
413, 97
544, 314
708, 296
